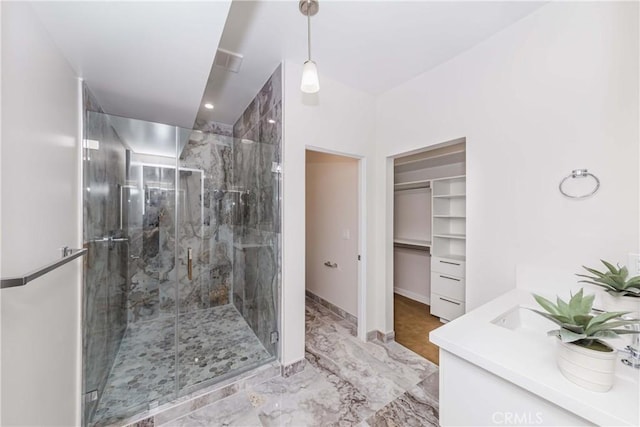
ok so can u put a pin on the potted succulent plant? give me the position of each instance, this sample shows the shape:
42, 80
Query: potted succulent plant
622, 292
583, 358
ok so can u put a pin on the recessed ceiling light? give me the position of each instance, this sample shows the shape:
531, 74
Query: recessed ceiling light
208, 106
271, 121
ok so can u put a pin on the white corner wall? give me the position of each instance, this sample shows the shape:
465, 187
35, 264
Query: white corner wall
40, 372
339, 120
556, 91
332, 229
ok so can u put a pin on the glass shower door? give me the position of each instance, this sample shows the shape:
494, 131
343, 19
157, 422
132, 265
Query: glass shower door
182, 274
130, 207
228, 314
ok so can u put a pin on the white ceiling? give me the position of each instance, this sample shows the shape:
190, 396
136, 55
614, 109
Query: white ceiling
144, 137
145, 60
369, 45
152, 60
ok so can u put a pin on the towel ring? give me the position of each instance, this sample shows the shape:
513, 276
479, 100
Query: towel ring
579, 173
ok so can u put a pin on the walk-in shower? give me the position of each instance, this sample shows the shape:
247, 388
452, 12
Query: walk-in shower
181, 280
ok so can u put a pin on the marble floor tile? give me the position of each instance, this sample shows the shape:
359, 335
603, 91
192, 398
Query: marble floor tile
318, 317
313, 397
397, 357
379, 371
347, 382
235, 410
416, 407
212, 343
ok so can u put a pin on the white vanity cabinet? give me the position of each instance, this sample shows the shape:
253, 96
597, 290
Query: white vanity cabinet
448, 247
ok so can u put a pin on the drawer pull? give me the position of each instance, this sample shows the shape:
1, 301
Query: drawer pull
450, 278
447, 300
448, 262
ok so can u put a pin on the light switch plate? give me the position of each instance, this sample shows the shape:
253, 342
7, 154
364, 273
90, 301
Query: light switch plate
633, 265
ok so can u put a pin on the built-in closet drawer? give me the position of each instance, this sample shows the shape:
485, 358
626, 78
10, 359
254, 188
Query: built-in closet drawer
448, 266
447, 285
445, 307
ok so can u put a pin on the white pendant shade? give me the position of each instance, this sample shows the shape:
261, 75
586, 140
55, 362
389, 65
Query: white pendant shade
310, 82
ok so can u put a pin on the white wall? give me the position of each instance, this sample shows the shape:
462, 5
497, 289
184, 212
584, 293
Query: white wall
341, 120
332, 229
556, 91
412, 214
412, 274
40, 213
412, 220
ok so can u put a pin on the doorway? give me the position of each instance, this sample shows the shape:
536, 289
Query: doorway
429, 223
333, 218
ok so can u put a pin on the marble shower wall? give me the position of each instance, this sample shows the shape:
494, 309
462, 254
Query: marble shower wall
151, 223
256, 164
216, 128
202, 220
105, 266
206, 219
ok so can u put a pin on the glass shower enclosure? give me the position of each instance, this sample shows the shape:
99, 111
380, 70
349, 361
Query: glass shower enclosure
182, 273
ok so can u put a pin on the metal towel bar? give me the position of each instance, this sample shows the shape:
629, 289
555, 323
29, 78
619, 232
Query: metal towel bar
579, 173
12, 282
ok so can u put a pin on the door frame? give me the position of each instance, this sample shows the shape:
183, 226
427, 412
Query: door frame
362, 238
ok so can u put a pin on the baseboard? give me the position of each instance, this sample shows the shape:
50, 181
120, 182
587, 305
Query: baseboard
380, 336
332, 307
412, 295
293, 368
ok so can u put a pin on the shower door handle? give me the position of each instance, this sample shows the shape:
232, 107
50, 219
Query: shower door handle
190, 263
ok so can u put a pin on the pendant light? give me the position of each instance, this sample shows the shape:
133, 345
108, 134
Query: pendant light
310, 82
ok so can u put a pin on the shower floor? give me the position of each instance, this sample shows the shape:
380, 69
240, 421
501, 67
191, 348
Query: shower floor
212, 342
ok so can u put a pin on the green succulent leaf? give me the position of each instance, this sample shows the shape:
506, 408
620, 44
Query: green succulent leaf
575, 304
578, 329
562, 306
604, 334
605, 317
608, 325
602, 285
616, 278
554, 333
587, 303
551, 317
546, 304
610, 267
594, 271
634, 282
624, 273
582, 319
569, 336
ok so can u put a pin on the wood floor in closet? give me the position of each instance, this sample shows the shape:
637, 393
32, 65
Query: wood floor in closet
412, 324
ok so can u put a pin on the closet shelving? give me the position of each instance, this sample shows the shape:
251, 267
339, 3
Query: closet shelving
412, 185
412, 243
448, 248
430, 218
449, 216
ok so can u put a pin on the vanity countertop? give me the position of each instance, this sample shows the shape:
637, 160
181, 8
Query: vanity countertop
528, 361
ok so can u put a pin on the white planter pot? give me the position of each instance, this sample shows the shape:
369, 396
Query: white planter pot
591, 369
609, 302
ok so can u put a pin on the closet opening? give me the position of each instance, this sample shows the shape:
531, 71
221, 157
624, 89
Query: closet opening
429, 234
333, 223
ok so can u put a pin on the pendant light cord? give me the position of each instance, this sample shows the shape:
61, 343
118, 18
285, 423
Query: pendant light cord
309, 28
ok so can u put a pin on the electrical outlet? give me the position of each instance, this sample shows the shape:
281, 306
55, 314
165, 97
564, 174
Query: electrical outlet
633, 265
